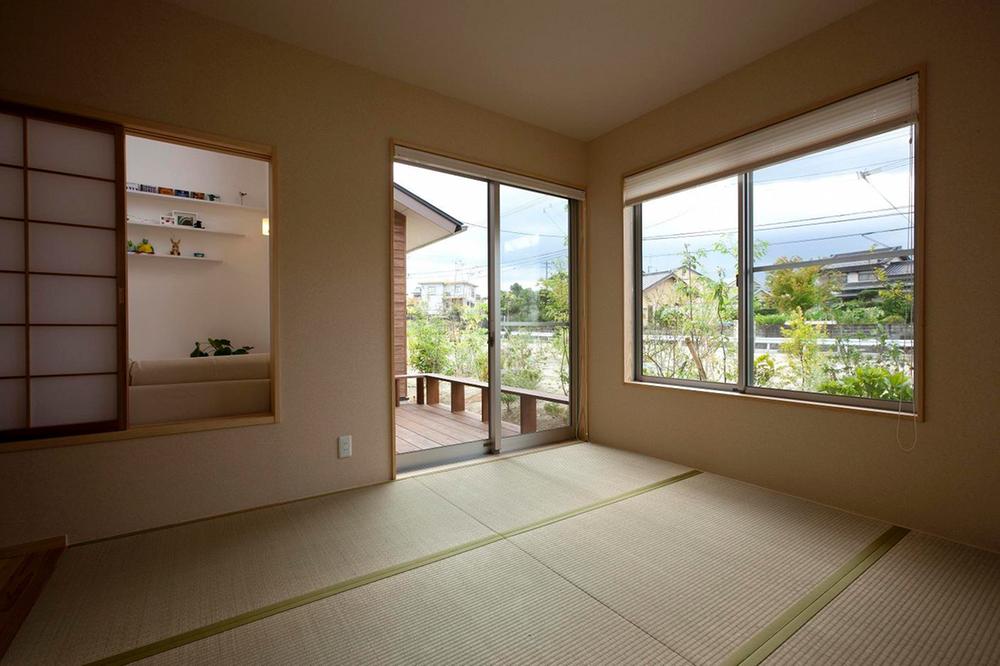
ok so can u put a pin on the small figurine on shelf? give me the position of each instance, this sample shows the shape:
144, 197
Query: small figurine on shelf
130, 248
145, 247
175, 247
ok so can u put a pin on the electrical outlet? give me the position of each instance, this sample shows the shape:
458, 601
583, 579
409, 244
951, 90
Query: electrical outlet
344, 446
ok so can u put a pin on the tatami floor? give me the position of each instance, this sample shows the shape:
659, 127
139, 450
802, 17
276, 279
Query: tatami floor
576, 554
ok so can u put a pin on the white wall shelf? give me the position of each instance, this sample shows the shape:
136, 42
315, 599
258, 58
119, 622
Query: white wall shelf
173, 256
199, 202
180, 227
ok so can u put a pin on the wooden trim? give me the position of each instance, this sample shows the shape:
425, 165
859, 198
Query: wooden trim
19, 549
24, 569
27, 273
481, 163
791, 401
774, 120
72, 175
29, 220
87, 275
140, 432
390, 202
919, 220
192, 139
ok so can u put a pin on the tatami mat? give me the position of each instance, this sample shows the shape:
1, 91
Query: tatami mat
704, 564
523, 489
487, 606
927, 601
115, 595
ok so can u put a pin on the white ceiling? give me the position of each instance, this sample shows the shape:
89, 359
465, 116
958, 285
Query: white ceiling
579, 67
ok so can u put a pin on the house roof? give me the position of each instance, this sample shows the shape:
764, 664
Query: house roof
652, 279
426, 224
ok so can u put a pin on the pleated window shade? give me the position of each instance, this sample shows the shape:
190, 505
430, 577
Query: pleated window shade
880, 109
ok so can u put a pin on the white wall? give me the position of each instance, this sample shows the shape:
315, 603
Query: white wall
174, 303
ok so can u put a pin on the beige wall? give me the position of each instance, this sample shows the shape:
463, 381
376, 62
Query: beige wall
950, 484
330, 126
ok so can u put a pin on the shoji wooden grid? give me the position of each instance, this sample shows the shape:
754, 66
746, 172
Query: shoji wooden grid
62, 274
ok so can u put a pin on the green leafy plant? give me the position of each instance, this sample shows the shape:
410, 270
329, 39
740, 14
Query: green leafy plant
763, 369
870, 381
427, 341
801, 346
797, 288
219, 347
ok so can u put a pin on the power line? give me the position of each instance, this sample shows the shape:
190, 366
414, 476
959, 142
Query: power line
783, 224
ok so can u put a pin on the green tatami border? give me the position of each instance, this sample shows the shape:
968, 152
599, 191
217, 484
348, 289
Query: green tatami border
779, 630
249, 617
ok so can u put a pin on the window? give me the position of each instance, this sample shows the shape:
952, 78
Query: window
784, 262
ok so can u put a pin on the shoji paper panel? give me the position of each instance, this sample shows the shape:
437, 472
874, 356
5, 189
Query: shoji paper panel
13, 408
60, 249
56, 198
59, 147
57, 299
11, 135
11, 192
11, 351
11, 245
65, 400
11, 298
71, 349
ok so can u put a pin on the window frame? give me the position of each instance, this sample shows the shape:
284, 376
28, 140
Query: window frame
745, 347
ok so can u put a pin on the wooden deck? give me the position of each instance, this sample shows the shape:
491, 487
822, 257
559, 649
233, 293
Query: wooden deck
421, 427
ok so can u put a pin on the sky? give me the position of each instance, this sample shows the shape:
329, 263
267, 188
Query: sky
534, 231
809, 207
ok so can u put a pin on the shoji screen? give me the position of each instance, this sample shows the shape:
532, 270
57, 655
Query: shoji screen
62, 280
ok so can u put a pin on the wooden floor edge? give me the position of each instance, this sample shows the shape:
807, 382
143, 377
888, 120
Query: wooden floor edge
24, 570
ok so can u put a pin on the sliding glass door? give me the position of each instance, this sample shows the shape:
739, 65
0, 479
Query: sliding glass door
535, 332
483, 318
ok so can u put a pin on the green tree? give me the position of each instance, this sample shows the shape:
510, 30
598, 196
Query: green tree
519, 303
427, 341
797, 288
897, 301
801, 349
553, 303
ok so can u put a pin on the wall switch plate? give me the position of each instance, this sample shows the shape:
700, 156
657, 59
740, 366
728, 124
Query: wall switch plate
344, 446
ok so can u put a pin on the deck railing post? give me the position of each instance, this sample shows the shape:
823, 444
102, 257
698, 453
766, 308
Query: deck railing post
420, 390
457, 397
529, 414
433, 394
485, 402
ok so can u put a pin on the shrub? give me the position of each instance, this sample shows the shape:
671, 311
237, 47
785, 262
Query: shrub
770, 319
869, 381
763, 369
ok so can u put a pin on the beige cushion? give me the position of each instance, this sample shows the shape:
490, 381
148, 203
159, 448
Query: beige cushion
203, 369
164, 403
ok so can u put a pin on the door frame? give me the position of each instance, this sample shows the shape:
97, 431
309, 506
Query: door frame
493, 176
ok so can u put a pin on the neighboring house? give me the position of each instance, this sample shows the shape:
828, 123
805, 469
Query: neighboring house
660, 289
441, 296
856, 275
417, 223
